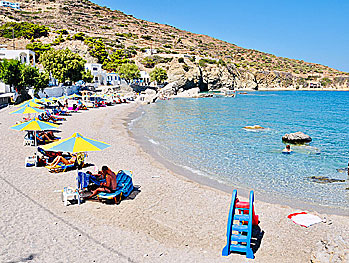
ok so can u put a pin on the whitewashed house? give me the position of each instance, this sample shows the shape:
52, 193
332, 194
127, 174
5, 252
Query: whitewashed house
10, 4
99, 75
113, 79
26, 57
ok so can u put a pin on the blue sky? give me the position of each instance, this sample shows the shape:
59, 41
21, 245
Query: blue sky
315, 31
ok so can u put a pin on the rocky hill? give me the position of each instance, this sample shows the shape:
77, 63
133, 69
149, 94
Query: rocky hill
191, 59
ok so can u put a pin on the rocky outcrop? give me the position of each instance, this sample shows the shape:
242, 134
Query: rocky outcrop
148, 96
215, 76
296, 138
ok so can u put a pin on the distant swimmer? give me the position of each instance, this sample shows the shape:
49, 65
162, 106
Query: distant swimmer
287, 149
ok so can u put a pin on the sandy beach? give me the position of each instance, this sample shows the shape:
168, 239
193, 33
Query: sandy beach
168, 218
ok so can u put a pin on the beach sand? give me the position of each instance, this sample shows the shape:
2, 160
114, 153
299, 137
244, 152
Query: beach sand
169, 218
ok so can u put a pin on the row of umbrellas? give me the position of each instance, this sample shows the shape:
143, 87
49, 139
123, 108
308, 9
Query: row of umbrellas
74, 144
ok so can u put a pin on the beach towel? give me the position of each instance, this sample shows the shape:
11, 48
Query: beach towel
304, 219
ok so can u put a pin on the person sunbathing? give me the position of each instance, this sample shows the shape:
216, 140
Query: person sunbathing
110, 184
43, 138
44, 117
61, 159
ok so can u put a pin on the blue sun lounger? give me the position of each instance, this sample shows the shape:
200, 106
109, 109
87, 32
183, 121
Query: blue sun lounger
124, 187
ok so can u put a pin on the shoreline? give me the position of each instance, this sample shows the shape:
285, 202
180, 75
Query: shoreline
168, 218
272, 198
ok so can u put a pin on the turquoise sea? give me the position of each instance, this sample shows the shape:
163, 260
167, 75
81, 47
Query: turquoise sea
206, 136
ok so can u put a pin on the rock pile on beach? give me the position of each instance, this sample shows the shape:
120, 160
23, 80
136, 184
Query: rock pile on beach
296, 138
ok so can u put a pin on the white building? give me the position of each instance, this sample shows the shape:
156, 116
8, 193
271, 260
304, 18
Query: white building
113, 79
10, 4
145, 78
99, 74
26, 57
151, 51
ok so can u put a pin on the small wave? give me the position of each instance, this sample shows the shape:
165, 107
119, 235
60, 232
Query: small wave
198, 172
153, 142
130, 124
257, 130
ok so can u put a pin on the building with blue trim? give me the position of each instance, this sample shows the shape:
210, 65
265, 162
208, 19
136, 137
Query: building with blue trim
10, 4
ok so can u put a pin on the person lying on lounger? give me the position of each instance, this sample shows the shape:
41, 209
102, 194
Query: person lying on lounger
44, 117
61, 159
43, 138
110, 184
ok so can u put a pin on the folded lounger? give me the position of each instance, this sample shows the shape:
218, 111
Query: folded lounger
124, 187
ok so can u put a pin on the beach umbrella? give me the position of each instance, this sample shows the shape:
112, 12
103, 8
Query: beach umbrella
44, 100
30, 103
74, 96
76, 143
34, 125
27, 109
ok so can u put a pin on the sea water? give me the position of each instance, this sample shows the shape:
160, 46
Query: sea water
207, 136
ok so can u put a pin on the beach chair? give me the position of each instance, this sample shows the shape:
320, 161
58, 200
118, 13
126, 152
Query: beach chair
29, 139
84, 180
123, 189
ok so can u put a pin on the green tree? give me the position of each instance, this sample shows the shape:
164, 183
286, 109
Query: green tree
159, 75
38, 48
10, 72
129, 71
23, 29
32, 77
116, 59
148, 62
21, 77
97, 49
79, 36
87, 76
41, 82
64, 65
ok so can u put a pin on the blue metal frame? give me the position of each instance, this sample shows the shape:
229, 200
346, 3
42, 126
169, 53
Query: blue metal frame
226, 249
239, 238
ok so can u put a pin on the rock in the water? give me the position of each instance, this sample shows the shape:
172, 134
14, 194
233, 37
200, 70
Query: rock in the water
254, 127
324, 179
296, 138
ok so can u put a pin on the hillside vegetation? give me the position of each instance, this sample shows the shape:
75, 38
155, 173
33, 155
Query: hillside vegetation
98, 32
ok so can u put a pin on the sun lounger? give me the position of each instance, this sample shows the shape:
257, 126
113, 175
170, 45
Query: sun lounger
55, 117
61, 168
124, 187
